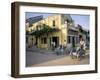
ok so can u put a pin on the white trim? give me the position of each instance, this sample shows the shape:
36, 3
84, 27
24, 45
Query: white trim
70, 68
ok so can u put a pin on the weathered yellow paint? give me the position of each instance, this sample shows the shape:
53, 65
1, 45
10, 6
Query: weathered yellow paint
62, 34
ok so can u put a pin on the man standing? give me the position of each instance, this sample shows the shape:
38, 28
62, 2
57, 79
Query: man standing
82, 43
81, 51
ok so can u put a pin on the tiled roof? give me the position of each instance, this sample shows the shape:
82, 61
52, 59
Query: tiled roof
34, 19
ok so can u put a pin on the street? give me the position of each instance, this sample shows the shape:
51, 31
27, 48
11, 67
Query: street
38, 57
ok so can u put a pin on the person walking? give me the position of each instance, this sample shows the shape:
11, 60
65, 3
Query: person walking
53, 45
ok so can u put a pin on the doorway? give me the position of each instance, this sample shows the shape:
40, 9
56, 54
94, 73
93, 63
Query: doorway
56, 40
73, 41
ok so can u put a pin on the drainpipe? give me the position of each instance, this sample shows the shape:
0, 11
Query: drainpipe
66, 26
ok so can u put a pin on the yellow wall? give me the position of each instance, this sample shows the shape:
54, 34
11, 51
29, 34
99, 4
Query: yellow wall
62, 34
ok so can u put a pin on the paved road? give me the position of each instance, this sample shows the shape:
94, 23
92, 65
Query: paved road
38, 57
63, 61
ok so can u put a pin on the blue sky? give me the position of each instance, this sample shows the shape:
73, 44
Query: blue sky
83, 20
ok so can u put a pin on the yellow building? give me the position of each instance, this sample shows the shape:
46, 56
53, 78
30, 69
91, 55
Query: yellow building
64, 32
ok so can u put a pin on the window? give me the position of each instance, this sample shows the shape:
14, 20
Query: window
31, 30
26, 39
69, 39
53, 22
44, 40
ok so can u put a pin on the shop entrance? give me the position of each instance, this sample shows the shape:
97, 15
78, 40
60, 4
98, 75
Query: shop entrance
73, 41
56, 41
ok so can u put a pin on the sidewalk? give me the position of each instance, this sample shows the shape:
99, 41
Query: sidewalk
35, 49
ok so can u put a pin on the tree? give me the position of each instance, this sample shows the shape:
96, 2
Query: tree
43, 30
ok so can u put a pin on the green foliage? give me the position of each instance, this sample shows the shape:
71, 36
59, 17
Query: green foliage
44, 29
